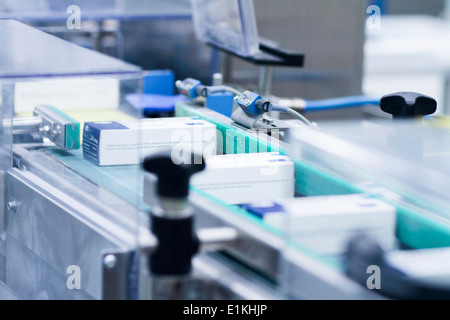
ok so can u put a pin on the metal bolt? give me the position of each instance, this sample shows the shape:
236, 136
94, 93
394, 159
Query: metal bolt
110, 261
55, 131
44, 129
11, 206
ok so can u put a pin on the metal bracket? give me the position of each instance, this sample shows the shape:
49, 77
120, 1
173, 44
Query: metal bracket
47, 122
58, 127
271, 53
261, 122
246, 119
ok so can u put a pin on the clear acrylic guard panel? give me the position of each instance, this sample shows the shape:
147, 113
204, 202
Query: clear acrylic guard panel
228, 24
41, 239
404, 161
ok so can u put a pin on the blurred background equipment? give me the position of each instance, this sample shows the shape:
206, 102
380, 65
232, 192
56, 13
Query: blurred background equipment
343, 57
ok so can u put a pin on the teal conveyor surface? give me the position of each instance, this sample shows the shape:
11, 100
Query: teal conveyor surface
124, 181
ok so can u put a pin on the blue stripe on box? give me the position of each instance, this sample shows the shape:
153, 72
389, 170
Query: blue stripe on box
260, 210
91, 138
106, 125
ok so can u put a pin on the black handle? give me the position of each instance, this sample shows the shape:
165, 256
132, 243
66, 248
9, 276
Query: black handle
173, 177
177, 241
408, 105
177, 244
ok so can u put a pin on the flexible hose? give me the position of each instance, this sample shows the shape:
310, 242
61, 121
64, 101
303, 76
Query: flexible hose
339, 103
297, 115
223, 89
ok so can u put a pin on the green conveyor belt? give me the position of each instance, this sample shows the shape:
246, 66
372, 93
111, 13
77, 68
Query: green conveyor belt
124, 181
415, 229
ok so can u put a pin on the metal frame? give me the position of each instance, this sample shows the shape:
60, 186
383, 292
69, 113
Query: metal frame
49, 231
298, 274
265, 266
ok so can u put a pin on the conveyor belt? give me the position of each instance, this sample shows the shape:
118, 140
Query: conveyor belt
124, 181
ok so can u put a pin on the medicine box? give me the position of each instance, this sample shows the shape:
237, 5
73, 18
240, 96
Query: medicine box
241, 178
325, 224
128, 142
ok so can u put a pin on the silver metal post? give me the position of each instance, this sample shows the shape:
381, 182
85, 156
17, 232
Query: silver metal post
26, 125
225, 66
447, 10
446, 108
23, 125
265, 81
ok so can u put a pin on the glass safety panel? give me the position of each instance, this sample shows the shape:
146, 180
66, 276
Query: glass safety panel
393, 181
70, 221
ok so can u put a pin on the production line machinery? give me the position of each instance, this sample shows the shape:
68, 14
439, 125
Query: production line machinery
254, 261
71, 229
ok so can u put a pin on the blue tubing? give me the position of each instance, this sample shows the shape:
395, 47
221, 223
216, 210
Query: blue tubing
339, 103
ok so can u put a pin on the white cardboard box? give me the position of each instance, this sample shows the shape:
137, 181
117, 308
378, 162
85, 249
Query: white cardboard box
324, 224
68, 94
242, 178
128, 142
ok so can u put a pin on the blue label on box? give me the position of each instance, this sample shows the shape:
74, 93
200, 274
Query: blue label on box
91, 137
260, 210
105, 125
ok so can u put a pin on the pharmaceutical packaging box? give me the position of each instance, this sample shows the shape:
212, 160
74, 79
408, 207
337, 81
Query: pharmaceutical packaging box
325, 224
242, 178
128, 142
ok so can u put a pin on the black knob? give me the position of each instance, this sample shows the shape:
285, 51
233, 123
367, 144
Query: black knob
365, 249
408, 104
173, 179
